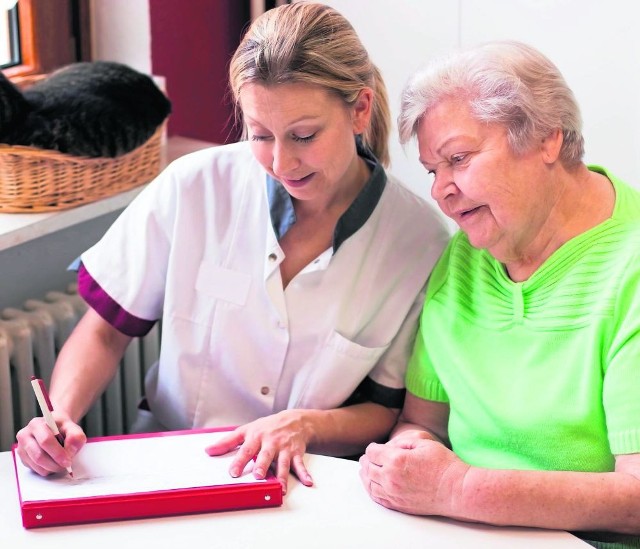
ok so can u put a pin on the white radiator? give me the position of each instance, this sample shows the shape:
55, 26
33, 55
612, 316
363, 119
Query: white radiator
30, 339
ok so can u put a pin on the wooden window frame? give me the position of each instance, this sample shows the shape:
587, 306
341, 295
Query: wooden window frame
49, 36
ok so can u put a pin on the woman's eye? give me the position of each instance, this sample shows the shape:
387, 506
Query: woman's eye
303, 139
456, 159
259, 137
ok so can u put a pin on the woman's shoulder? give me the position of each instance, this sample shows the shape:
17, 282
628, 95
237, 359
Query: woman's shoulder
411, 208
206, 178
403, 193
224, 168
627, 207
219, 158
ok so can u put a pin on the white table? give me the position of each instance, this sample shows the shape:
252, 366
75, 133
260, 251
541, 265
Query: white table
336, 513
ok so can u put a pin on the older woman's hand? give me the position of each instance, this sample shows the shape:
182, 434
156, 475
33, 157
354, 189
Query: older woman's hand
281, 438
414, 474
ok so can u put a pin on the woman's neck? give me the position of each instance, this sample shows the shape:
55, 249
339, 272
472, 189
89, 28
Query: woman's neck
336, 204
586, 200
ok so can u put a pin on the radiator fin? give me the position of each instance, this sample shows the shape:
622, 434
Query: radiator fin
30, 340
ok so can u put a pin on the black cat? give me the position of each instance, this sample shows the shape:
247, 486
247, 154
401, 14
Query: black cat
94, 109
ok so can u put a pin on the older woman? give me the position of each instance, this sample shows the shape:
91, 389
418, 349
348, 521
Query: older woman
523, 403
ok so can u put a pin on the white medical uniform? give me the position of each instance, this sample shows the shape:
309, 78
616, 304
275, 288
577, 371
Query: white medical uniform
198, 248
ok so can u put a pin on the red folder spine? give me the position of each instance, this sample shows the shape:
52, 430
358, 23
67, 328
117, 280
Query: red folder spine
152, 504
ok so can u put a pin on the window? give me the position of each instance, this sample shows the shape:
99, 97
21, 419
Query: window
9, 34
49, 34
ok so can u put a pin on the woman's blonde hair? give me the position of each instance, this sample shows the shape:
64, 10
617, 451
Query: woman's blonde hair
313, 44
504, 82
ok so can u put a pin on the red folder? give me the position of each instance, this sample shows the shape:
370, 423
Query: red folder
248, 493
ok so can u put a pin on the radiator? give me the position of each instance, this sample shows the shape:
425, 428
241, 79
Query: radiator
30, 339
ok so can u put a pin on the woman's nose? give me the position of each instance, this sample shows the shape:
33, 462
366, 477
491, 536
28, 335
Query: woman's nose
443, 184
284, 160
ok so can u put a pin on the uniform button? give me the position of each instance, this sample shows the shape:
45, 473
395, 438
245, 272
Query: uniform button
272, 257
265, 390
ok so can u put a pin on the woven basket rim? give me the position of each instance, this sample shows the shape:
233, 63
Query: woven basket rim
35, 152
36, 180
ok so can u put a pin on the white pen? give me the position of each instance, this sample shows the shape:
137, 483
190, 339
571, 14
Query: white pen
45, 405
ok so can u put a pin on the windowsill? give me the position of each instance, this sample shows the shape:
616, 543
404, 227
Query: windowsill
16, 229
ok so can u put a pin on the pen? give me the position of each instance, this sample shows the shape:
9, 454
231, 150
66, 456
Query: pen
45, 405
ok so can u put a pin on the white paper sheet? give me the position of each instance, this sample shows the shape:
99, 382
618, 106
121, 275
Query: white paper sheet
132, 465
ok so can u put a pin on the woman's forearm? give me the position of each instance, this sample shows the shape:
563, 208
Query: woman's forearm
347, 431
550, 499
87, 362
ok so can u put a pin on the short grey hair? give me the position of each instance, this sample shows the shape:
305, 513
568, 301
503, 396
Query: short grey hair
504, 82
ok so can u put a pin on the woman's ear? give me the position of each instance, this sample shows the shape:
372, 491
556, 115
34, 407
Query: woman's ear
361, 110
551, 146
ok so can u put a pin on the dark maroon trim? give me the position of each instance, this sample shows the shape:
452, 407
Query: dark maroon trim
108, 309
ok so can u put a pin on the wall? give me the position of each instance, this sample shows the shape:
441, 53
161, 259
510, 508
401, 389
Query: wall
594, 44
121, 31
38, 266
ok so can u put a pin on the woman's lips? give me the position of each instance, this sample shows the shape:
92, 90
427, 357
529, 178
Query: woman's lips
461, 216
295, 183
466, 213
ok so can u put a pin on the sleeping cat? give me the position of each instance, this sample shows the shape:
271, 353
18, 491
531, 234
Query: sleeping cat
95, 109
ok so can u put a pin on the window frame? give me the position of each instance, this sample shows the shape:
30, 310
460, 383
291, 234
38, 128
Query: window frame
52, 34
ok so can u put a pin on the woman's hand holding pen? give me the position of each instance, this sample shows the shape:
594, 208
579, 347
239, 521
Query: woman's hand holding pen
39, 449
281, 438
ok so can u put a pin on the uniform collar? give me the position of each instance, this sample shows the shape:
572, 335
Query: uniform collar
283, 215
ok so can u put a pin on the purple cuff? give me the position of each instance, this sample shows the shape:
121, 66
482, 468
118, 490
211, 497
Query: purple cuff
108, 309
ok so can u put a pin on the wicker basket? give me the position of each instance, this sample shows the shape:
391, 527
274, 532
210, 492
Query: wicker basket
37, 180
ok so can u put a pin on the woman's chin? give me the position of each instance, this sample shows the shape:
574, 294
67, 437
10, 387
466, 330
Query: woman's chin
478, 240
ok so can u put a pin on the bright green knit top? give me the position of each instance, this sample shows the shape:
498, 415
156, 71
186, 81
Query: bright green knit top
542, 374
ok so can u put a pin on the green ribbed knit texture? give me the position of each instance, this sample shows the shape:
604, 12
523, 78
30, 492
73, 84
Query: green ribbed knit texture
542, 374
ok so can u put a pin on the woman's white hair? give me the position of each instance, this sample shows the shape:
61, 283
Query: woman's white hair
504, 82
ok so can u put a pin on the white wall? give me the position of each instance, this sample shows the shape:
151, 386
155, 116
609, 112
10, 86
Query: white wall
121, 31
592, 42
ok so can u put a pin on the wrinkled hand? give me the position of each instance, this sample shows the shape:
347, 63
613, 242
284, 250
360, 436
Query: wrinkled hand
411, 438
39, 449
412, 473
280, 438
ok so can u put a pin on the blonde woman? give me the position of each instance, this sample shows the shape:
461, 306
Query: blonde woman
288, 269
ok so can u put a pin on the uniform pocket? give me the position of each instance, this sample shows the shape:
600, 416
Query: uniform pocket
335, 372
224, 284
214, 287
